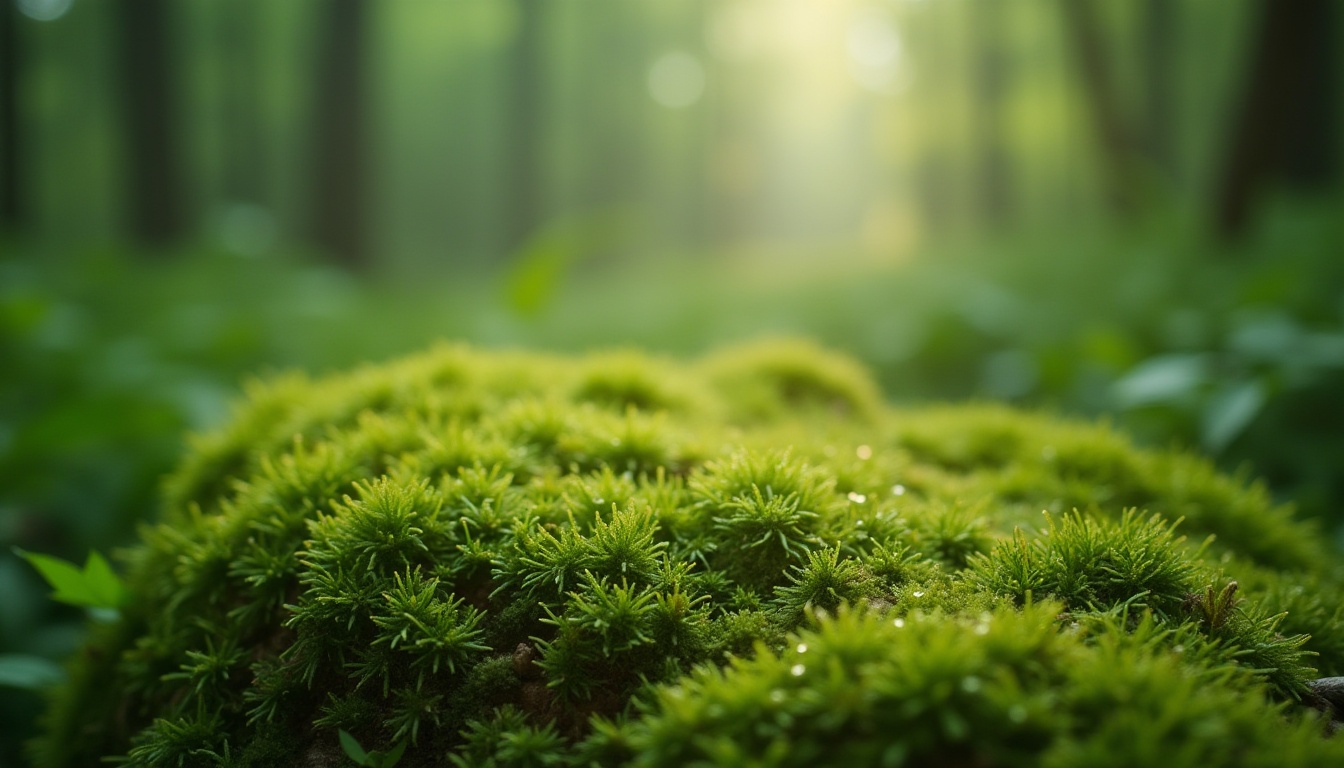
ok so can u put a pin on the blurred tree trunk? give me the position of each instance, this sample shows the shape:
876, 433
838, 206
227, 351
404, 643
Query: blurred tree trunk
339, 220
1160, 32
245, 160
1119, 171
522, 204
1286, 121
991, 79
11, 187
156, 194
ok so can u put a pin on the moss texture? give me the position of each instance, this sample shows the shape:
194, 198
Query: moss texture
508, 559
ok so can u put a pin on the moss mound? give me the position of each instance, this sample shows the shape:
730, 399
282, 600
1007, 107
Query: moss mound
515, 560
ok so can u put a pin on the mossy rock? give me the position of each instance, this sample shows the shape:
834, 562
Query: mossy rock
505, 559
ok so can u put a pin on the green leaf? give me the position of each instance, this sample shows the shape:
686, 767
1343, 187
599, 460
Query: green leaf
95, 586
30, 673
103, 581
1228, 414
352, 748
540, 266
379, 760
535, 277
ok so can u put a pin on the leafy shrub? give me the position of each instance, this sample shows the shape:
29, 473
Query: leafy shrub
497, 559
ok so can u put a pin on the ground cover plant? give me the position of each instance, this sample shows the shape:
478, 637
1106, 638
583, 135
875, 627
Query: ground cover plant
469, 558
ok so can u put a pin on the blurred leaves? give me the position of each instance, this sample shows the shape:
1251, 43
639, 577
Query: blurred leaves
30, 673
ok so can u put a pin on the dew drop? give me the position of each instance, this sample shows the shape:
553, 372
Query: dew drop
857, 498
898, 623
802, 647
864, 452
898, 489
982, 629
798, 670
777, 696
917, 593
1179, 649
599, 500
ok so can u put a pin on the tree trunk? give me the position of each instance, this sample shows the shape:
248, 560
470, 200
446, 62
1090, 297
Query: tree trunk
1119, 174
991, 78
11, 186
339, 224
1285, 125
245, 157
522, 204
1160, 20
158, 212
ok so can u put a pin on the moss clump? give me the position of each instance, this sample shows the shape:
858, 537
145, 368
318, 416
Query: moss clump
504, 559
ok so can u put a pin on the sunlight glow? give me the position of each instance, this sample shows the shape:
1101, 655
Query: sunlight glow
874, 50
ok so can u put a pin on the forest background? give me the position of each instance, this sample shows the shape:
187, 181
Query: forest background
1125, 209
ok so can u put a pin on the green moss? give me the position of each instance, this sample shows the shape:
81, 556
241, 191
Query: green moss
510, 559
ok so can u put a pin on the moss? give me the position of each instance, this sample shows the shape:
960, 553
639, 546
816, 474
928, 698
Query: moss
512, 559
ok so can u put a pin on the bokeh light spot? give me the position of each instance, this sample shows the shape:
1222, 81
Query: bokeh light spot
677, 80
44, 10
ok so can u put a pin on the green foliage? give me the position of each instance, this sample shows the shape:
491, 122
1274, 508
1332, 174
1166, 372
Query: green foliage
93, 586
1094, 565
371, 758
484, 559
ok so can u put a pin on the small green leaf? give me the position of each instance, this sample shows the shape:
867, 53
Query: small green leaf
30, 673
353, 749
96, 586
64, 577
394, 756
103, 582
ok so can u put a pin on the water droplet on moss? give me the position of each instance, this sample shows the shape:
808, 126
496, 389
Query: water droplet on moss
971, 684
802, 647
857, 498
898, 489
898, 623
777, 696
864, 452
798, 670
917, 593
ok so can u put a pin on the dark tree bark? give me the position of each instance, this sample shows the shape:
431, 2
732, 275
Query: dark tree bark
339, 173
991, 80
11, 185
1160, 32
1286, 121
523, 196
156, 195
1117, 147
